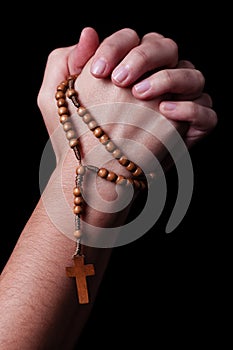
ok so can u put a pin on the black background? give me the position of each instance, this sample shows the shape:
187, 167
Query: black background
161, 288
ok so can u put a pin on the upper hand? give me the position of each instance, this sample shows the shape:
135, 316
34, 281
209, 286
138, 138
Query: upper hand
127, 59
124, 55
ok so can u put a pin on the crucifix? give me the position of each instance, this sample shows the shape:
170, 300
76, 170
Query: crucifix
80, 271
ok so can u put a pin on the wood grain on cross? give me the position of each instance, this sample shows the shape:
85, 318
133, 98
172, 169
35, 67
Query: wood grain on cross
80, 271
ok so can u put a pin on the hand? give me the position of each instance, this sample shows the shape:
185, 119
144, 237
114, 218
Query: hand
127, 59
92, 91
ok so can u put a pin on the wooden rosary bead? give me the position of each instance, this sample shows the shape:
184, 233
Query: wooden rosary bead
117, 153
61, 102
123, 161
80, 170
63, 110
131, 166
98, 132
87, 118
62, 87
67, 126
82, 111
102, 173
70, 134
73, 143
60, 94
110, 146
77, 191
78, 209
137, 172
92, 124
64, 118
71, 92
111, 176
65, 83
121, 180
78, 200
77, 234
104, 139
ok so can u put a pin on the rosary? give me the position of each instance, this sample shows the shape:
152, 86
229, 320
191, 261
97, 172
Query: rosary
137, 178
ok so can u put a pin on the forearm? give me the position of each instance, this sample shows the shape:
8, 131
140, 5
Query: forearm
38, 302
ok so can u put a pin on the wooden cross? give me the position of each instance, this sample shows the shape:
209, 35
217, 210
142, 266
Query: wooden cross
80, 271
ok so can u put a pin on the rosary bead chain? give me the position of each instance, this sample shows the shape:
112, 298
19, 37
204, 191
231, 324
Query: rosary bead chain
137, 179
109, 144
64, 113
78, 208
66, 90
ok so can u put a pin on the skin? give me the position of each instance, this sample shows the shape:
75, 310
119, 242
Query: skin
37, 299
189, 103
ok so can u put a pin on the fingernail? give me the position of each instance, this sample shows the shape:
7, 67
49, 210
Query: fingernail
143, 86
120, 74
168, 106
98, 66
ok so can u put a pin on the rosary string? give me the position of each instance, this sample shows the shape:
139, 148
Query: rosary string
137, 178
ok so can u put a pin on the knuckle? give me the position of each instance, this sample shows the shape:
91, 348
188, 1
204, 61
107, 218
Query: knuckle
153, 36
207, 99
131, 33
168, 78
142, 54
41, 99
194, 110
54, 57
108, 45
126, 36
172, 45
185, 64
213, 119
55, 54
128, 33
200, 78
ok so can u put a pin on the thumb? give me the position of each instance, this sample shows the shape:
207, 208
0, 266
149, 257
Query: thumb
82, 52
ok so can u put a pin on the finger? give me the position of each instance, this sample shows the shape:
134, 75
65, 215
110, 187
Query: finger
62, 61
56, 70
112, 50
154, 51
200, 116
185, 64
188, 83
82, 52
204, 100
